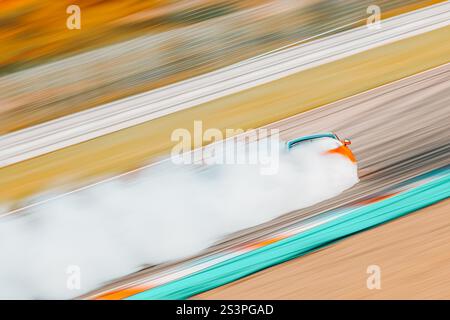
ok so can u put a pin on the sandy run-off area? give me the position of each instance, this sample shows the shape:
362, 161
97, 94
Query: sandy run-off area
413, 254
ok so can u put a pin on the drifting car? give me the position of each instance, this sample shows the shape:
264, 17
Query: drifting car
340, 146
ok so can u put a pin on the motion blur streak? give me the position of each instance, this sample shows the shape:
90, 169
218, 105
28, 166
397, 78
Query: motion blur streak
80, 127
168, 41
124, 231
398, 131
413, 253
310, 240
116, 228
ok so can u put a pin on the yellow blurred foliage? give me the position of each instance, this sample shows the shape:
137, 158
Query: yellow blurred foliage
34, 29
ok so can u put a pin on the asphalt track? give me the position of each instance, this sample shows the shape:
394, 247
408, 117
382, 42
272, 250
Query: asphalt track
66, 131
398, 131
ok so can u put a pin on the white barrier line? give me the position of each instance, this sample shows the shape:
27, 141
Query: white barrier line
86, 125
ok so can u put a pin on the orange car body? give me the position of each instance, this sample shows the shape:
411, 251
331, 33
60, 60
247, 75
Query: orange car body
342, 148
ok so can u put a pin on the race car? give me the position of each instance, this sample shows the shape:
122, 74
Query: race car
336, 146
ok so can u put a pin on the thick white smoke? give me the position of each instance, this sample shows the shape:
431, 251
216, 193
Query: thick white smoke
117, 227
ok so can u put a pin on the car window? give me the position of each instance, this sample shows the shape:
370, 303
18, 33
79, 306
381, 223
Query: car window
326, 142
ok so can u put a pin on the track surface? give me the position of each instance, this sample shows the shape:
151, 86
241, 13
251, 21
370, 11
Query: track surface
398, 131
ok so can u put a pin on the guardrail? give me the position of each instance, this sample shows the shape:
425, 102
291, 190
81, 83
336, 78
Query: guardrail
121, 114
286, 249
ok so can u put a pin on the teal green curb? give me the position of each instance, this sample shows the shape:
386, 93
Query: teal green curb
355, 221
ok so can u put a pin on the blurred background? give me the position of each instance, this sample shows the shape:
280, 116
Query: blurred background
132, 46
387, 90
